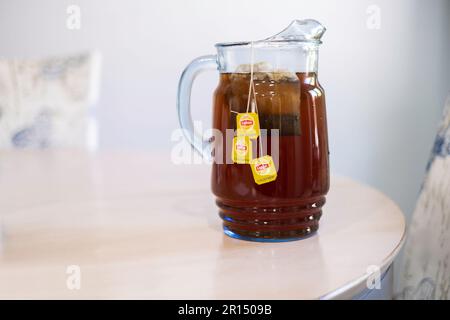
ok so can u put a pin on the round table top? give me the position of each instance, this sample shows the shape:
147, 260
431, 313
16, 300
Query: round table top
135, 225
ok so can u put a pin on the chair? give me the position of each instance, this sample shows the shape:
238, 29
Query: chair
46, 102
426, 266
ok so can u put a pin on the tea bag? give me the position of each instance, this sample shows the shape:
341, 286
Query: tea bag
247, 124
263, 169
242, 150
264, 71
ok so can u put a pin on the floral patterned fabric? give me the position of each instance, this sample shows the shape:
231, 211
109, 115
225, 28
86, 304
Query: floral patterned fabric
45, 103
426, 270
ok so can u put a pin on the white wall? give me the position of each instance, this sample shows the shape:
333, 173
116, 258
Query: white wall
385, 88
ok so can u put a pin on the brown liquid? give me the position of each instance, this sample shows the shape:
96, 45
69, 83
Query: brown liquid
290, 206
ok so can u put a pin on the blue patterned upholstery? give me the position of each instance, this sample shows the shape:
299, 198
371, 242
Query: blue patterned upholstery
45, 103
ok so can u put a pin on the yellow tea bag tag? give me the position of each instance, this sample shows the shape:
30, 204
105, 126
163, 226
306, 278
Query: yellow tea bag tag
242, 150
263, 169
247, 124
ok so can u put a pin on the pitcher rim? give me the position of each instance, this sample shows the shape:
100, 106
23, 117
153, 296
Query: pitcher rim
264, 43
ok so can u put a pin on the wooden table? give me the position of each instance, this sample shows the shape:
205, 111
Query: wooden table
136, 226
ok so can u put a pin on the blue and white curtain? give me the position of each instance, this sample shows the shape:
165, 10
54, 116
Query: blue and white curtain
426, 268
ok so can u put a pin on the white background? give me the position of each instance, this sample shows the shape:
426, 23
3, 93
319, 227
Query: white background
385, 88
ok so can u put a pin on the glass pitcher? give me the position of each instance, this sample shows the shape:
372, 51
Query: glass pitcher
269, 150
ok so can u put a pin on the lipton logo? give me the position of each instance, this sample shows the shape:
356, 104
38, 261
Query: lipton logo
241, 147
261, 167
246, 122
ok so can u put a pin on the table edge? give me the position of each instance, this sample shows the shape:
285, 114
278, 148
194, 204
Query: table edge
352, 288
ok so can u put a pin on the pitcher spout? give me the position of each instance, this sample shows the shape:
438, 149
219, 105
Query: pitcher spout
308, 30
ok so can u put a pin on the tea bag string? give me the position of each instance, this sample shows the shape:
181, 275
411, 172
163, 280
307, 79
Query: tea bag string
251, 84
261, 153
250, 88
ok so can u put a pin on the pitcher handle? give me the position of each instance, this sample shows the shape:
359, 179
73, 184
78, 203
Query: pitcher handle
195, 138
